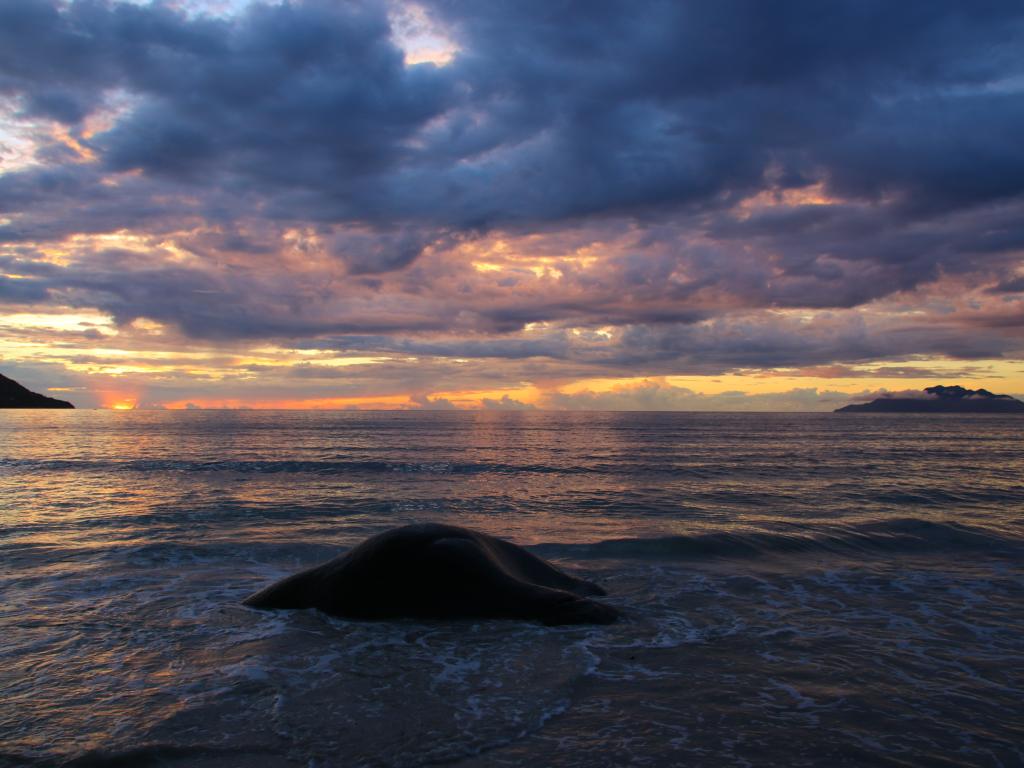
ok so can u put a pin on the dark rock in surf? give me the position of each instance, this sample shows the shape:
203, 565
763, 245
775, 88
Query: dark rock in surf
13, 395
941, 399
432, 571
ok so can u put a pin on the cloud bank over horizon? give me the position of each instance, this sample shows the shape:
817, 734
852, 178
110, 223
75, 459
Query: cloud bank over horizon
510, 204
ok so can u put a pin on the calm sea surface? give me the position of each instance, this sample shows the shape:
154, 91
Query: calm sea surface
808, 589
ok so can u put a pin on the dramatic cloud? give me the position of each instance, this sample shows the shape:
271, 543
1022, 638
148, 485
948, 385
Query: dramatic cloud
492, 198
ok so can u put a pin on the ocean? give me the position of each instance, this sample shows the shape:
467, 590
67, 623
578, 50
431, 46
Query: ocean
796, 589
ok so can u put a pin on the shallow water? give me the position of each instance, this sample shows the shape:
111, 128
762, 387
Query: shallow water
798, 589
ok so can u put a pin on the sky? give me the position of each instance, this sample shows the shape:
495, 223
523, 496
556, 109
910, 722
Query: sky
692, 205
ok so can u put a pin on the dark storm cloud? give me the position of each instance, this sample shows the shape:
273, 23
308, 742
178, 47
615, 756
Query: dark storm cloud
663, 116
847, 255
555, 345
21, 291
768, 342
1013, 285
714, 347
679, 102
549, 111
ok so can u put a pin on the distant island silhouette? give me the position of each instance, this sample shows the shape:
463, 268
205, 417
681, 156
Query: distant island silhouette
13, 395
941, 399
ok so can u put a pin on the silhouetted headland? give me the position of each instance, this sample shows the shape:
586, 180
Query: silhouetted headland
13, 395
434, 571
941, 399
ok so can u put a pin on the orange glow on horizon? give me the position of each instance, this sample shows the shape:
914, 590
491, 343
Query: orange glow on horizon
117, 400
383, 402
994, 375
461, 400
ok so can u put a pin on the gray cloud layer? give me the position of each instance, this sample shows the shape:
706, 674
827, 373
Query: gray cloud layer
643, 125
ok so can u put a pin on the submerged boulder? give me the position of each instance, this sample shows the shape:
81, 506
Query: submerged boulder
433, 571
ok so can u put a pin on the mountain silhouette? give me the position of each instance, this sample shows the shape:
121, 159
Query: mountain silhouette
13, 395
941, 399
